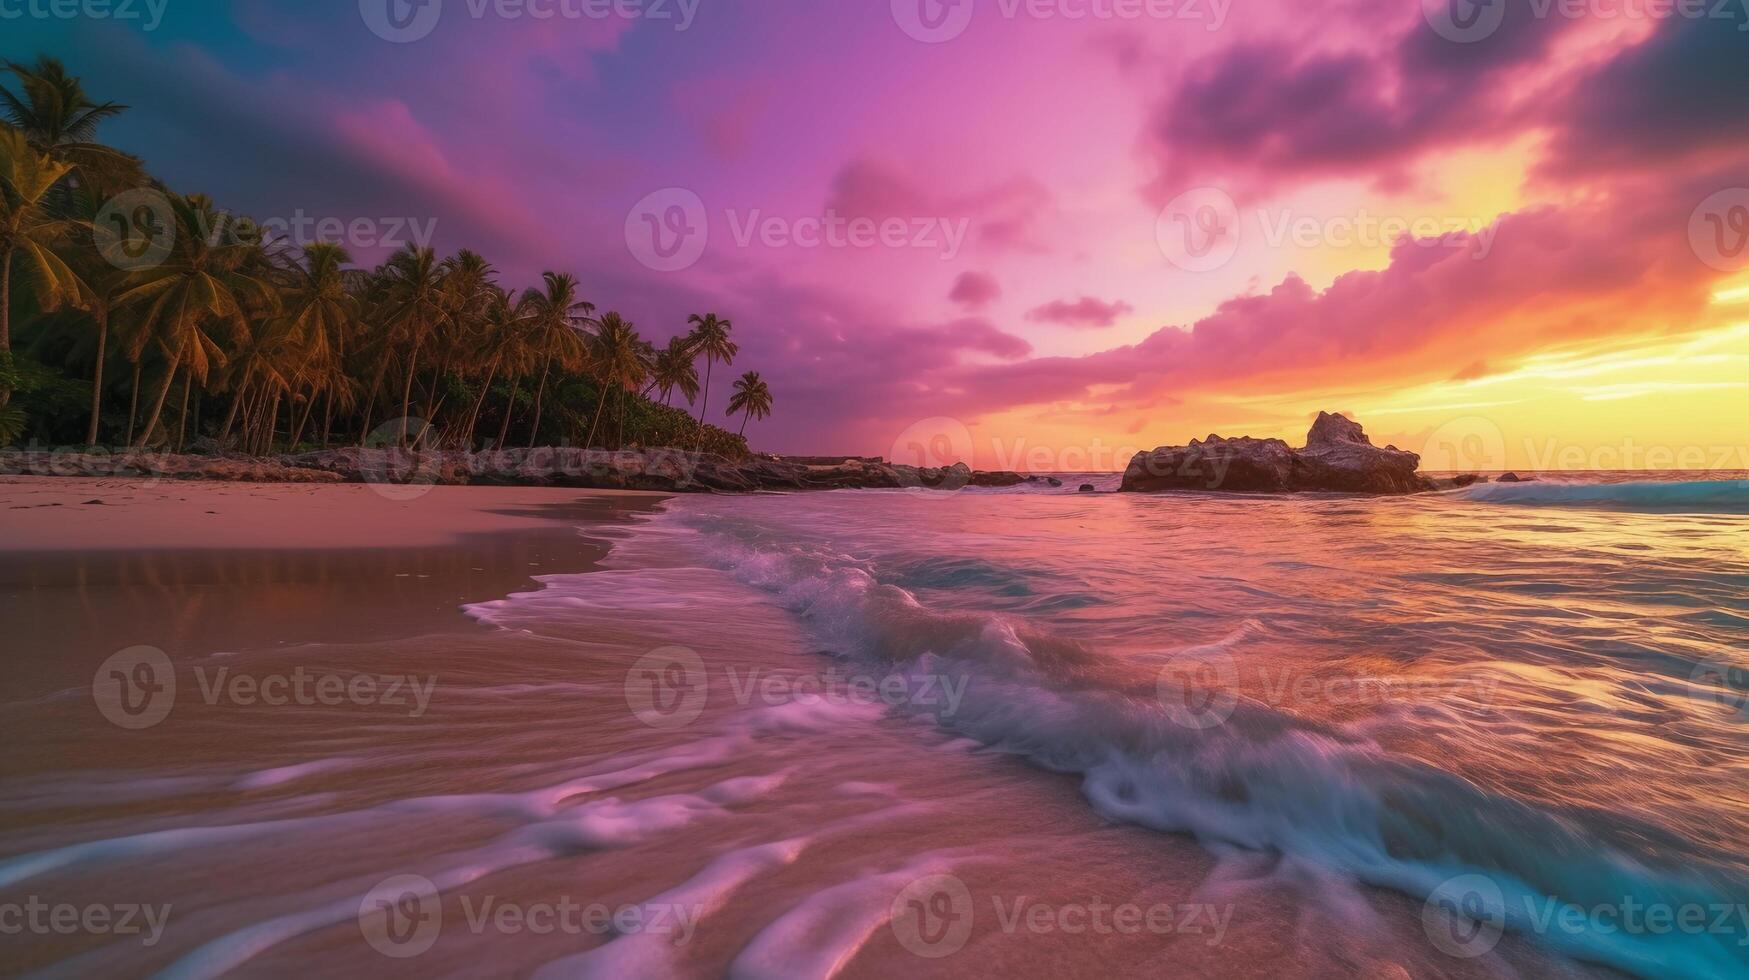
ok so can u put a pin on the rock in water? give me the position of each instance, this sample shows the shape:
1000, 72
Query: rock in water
1338, 457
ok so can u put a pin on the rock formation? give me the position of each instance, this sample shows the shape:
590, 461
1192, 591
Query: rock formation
1338, 458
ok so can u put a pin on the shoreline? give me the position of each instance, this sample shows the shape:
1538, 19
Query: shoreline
199, 569
413, 471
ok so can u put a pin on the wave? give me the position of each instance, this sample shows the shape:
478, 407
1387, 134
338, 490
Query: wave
1692, 496
1262, 781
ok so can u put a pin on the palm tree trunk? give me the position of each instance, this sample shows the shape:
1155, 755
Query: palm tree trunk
272, 424
431, 399
134, 399
474, 416
600, 402
182, 415
708, 361
231, 416
97, 381
298, 433
327, 417
407, 394
6, 313
158, 400
376, 386
509, 410
744, 417
540, 393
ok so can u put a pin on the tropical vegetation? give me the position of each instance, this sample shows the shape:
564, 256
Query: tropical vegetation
134, 315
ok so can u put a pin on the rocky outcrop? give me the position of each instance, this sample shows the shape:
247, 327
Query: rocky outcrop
1338, 457
661, 470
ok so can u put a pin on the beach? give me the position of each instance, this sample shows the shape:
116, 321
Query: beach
574, 733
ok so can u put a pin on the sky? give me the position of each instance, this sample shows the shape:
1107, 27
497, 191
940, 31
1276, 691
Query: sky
1032, 234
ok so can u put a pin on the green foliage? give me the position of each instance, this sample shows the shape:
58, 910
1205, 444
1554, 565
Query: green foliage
44, 404
267, 344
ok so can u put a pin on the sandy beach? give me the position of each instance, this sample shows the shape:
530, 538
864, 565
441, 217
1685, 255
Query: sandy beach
393, 696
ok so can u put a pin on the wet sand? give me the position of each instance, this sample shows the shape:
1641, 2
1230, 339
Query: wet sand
521, 776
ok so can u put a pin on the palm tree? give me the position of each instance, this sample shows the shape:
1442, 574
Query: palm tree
31, 233
558, 312
204, 283
417, 309
752, 398
321, 319
60, 121
675, 368
710, 337
498, 345
621, 362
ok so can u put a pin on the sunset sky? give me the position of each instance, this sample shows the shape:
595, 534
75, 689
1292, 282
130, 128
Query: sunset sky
1188, 221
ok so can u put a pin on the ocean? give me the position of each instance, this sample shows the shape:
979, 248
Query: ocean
1496, 731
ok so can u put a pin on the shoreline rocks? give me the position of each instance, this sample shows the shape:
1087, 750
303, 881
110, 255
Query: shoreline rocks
669, 471
1337, 458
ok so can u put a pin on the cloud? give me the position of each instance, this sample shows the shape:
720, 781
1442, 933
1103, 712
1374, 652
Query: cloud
1084, 312
1003, 216
1680, 93
974, 289
1278, 110
1549, 279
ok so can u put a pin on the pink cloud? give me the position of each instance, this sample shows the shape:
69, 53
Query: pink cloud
1084, 312
974, 289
